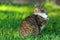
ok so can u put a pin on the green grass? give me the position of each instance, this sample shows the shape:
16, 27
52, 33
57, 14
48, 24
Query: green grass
12, 16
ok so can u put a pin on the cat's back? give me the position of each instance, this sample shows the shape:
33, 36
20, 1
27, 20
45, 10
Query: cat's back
28, 26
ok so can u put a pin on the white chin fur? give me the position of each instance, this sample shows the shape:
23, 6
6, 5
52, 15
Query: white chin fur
44, 15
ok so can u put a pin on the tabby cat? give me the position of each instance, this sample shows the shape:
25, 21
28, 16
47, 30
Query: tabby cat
34, 24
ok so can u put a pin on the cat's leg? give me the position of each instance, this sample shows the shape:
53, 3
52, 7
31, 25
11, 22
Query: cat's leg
42, 27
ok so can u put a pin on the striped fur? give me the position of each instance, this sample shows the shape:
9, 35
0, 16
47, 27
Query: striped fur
32, 25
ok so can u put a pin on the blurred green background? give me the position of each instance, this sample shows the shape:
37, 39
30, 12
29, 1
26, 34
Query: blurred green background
11, 16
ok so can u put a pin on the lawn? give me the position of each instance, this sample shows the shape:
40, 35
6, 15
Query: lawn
11, 17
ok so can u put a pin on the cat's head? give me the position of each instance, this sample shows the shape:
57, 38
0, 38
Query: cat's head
39, 9
40, 12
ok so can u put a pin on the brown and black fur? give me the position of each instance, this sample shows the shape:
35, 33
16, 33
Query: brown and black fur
31, 25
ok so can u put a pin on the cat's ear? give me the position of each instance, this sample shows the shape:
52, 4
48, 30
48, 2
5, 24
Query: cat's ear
36, 8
